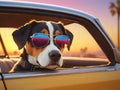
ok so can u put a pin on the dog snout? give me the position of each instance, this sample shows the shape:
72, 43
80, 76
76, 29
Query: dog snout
54, 55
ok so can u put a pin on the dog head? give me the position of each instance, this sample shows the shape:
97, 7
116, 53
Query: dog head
42, 41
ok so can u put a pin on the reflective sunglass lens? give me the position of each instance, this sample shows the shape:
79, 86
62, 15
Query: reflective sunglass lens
61, 40
40, 40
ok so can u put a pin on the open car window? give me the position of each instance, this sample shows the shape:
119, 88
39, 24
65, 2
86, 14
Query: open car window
84, 50
9, 44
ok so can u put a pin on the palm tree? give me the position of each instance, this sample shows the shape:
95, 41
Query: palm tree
115, 9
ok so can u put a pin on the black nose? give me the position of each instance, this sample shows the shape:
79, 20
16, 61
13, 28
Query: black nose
54, 55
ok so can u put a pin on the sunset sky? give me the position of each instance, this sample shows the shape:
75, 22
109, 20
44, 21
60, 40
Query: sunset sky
97, 8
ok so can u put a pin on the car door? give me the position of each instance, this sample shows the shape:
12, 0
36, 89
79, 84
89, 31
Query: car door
91, 63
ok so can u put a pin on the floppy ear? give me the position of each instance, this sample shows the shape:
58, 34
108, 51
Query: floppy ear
68, 33
21, 35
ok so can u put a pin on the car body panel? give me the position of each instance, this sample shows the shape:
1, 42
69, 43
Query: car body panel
88, 78
87, 81
101, 78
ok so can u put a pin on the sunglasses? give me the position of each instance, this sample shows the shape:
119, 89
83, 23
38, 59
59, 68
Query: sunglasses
41, 40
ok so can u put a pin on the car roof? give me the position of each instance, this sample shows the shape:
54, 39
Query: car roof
50, 7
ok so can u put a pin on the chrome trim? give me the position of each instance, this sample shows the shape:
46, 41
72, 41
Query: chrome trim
61, 72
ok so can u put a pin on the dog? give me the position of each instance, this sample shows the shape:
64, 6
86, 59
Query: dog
42, 43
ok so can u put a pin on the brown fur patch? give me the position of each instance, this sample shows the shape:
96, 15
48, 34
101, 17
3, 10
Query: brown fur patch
32, 50
57, 32
45, 31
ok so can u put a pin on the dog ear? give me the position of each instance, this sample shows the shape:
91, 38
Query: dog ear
68, 33
21, 35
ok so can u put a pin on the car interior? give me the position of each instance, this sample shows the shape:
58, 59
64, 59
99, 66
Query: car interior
84, 51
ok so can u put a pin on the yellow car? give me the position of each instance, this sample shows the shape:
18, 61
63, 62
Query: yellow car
93, 62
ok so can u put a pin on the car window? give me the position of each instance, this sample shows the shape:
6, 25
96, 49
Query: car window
84, 50
83, 44
6, 34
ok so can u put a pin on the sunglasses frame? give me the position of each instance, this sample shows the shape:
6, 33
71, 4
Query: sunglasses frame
54, 39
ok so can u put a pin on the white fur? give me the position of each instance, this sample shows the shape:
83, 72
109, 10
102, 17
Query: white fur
32, 60
43, 57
